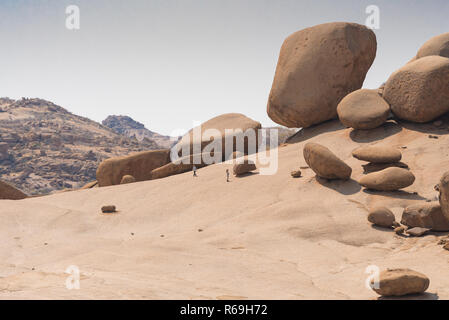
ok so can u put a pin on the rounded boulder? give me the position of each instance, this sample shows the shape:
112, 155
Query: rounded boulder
325, 163
419, 91
363, 109
377, 154
317, 67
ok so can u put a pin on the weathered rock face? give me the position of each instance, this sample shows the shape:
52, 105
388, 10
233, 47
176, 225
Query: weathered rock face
127, 179
363, 109
243, 168
389, 179
317, 67
381, 216
377, 154
436, 46
443, 188
417, 231
426, 215
217, 127
419, 91
139, 165
9, 192
399, 282
324, 163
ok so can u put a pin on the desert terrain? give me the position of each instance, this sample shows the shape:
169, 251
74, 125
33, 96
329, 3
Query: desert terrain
256, 237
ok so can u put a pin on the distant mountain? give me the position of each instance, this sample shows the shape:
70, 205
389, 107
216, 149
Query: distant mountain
129, 127
43, 147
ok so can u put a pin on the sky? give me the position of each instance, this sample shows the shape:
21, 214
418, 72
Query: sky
173, 63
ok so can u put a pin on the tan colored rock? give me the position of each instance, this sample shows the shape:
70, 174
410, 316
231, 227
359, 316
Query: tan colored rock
108, 209
8, 192
317, 67
296, 173
425, 215
389, 179
400, 282
417, 231
363, 109
382, 217
443, 188
325, 163
243, 168
127, 179
399, 230
239, 123
436, 46
139, 165
377, 154
419, 91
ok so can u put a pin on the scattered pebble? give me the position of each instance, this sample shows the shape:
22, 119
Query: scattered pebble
432, 137
108, 209
296, 173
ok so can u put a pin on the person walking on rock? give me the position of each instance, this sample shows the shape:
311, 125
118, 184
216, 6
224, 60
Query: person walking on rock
227, 175
194, 171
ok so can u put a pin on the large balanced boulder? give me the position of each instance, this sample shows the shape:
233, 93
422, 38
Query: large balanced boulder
317, 67
382, 217
389, 179
377, 154
229, 127
325, 163
426, 215
400, 282
436, 46
7, 191
138, 165
419, 91
363, 109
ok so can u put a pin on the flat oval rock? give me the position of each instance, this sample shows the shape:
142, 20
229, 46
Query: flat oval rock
417, 231
377, 154
325, 163
389, 179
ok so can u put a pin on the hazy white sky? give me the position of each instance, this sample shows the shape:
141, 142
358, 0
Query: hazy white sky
167, 63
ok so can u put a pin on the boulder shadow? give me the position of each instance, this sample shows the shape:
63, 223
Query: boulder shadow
400, 194
421, 296
388, 129
428, 127
345, 187
307, 133
383, 229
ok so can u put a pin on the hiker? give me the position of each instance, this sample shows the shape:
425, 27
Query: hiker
227, 175
194, 171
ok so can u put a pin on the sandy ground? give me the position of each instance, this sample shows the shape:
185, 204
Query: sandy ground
257, 237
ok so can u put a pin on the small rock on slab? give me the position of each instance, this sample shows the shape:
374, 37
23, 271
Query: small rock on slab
417, 231
296, 173
108, 209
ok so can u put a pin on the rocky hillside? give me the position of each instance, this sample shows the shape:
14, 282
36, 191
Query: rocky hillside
43, 147
127, 126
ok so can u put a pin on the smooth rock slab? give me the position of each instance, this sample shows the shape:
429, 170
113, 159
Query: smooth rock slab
400, 282
389, 179
417, 231
325, 163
